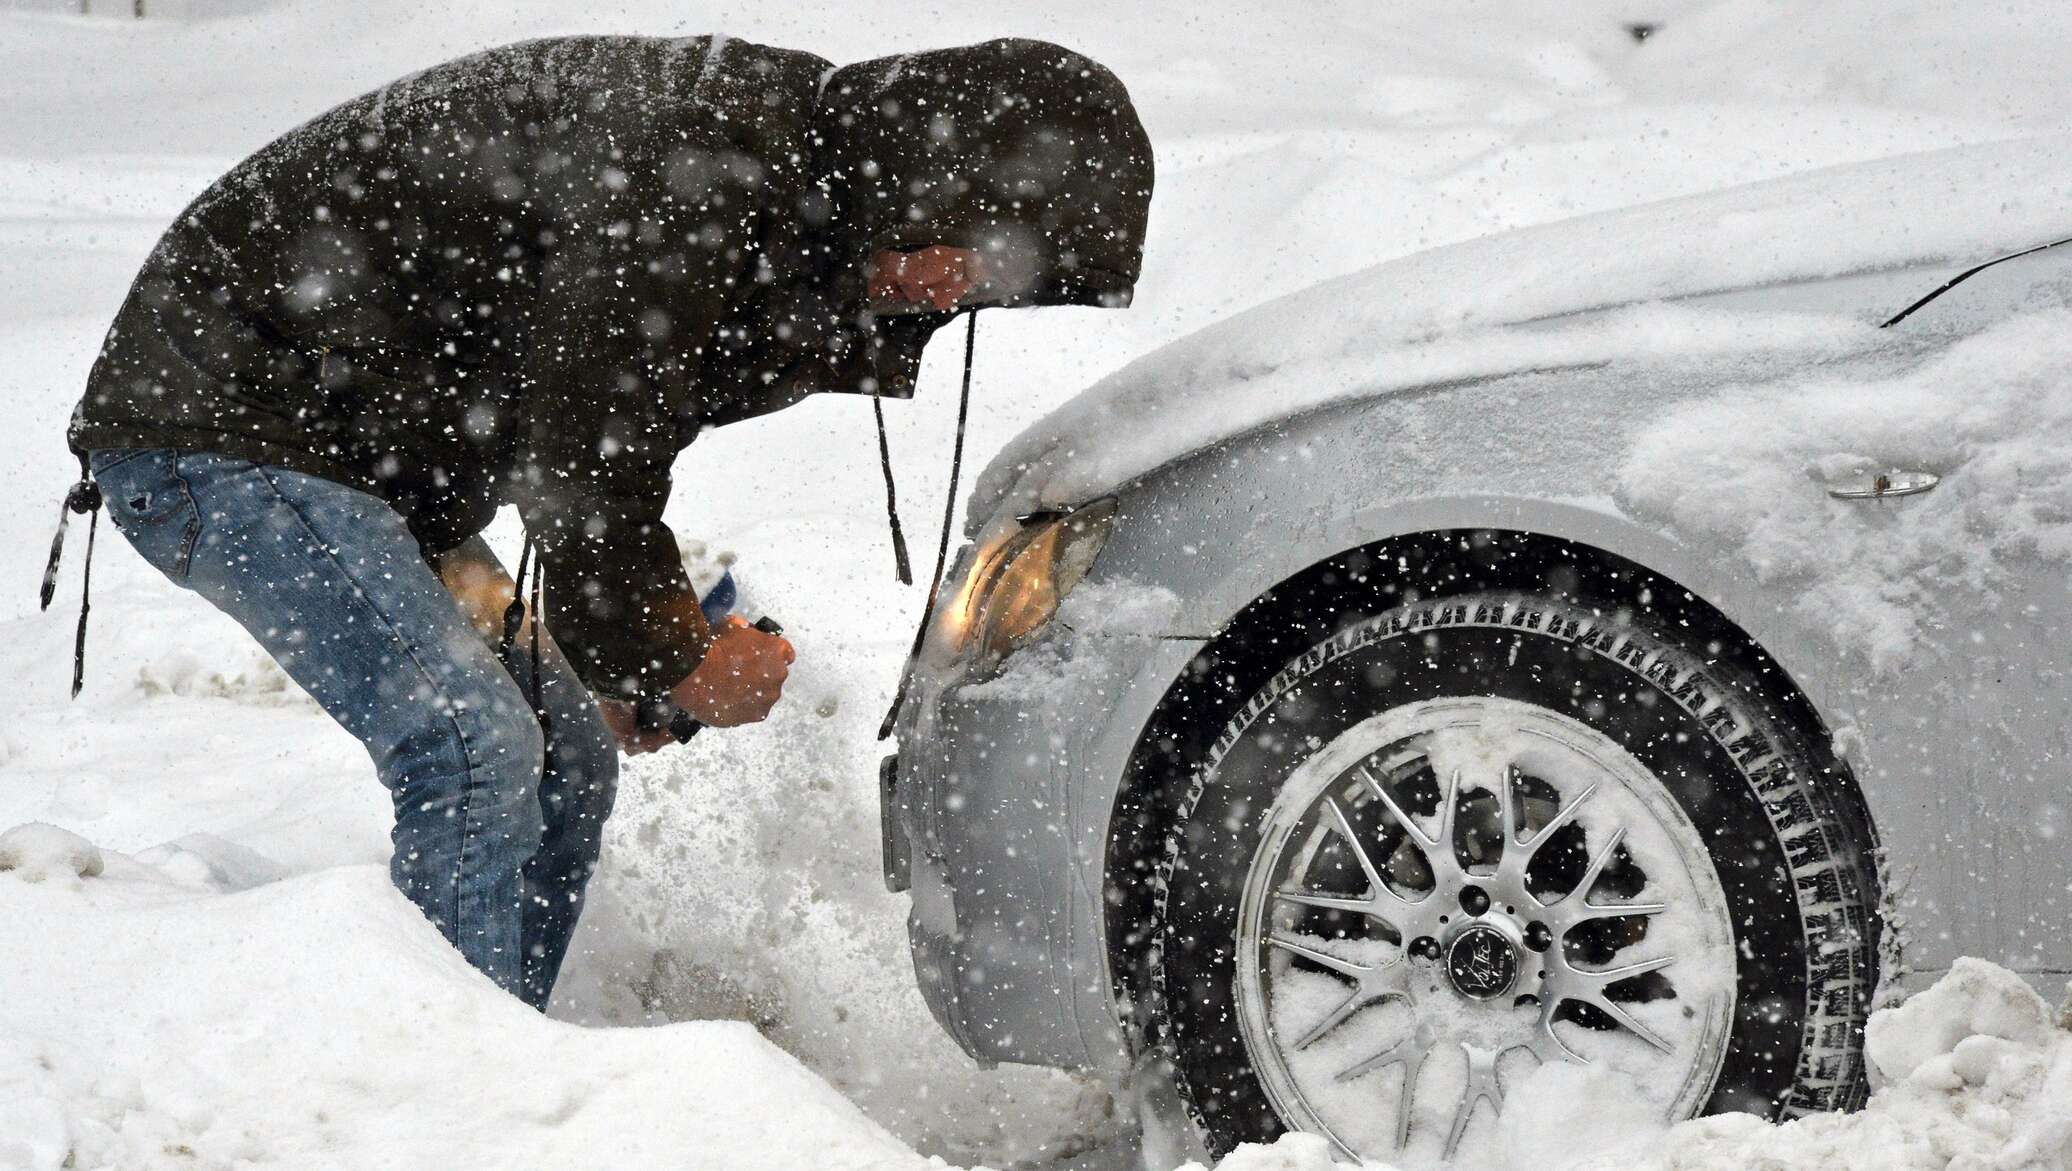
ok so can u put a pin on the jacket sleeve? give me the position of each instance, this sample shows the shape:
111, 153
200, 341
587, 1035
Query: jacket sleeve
591, 480
657, 212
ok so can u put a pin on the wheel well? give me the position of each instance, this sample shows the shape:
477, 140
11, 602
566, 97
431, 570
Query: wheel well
1309, 606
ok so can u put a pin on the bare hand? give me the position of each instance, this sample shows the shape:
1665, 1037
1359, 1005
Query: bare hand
937, 275
739, 680
621, 718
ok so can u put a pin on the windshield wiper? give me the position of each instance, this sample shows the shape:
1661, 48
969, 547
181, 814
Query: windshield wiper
1966, 275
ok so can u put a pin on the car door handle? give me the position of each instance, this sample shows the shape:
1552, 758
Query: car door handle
1884, 485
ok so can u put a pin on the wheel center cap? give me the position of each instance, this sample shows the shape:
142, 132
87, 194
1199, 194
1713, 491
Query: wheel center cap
1482, 963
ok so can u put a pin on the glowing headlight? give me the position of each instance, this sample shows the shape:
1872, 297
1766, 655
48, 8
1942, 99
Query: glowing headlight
1017, 581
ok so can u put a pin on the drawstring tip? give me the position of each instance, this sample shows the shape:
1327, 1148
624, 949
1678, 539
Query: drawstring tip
86, 597
902, 564
892, 714
84, 497
905, 566
514, 613
514, 617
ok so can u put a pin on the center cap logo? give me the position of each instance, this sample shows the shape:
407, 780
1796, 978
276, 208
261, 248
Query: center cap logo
1482, 963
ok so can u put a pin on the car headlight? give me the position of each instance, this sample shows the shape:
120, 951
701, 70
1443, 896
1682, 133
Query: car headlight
1018, 578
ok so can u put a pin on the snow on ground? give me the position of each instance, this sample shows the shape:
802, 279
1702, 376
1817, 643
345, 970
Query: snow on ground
183, 1016
239, 986
314, 1022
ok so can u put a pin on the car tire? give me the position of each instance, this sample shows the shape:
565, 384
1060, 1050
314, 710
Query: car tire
1754, 804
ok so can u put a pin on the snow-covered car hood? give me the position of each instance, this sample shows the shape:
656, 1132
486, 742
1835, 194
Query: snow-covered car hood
1449, 313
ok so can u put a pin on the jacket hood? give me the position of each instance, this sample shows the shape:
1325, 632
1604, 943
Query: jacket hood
1023, 151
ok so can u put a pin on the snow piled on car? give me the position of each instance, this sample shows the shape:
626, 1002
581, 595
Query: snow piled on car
1990, 415
1439, 315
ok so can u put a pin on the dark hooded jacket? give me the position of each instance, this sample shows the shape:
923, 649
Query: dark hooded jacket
533, 275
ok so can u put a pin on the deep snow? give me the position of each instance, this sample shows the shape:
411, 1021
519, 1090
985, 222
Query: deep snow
239, 986
181, 1017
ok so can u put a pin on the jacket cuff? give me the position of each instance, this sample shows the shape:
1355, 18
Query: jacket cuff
653, 667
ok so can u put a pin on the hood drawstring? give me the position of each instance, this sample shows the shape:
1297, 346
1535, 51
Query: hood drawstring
949, 515
515, 615
901, 564
539, 704
84, 496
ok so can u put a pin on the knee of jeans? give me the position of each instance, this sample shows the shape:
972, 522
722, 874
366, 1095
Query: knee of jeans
505, 744
492, 749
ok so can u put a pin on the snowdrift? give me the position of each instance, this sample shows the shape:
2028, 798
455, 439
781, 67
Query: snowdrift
157, 1017
152, 1020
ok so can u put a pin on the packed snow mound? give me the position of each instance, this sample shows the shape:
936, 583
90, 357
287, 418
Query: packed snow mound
254, 678
1350, 337
1978, 1073
321, 1022
38, 850
1734, 470
1982, 1079
1975, 1005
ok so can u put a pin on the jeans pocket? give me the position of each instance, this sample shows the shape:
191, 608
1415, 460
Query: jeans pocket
152, 507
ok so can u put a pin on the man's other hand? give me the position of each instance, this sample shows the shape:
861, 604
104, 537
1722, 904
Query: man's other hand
624, 721
740, 679
937, 275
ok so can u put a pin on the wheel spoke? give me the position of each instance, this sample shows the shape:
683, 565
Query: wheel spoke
1576, 907
1546, 1044
1346, 968
1388, 801
1506, 813
1326, 902
1360, 998
1376, 888
1449, 809
1617, 910
1606, 976
1598, 862
1482, 1086
1589, 987
1619, 1014
1410, 1053
1567, 814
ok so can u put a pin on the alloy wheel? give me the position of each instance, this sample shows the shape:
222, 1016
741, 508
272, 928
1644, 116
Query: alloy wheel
1457, 892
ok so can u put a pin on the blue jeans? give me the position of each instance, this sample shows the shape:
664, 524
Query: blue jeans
498, 825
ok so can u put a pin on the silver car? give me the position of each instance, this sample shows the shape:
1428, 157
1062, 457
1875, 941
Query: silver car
1385, 695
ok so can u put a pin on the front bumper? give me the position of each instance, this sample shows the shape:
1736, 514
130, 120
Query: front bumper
999, 801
